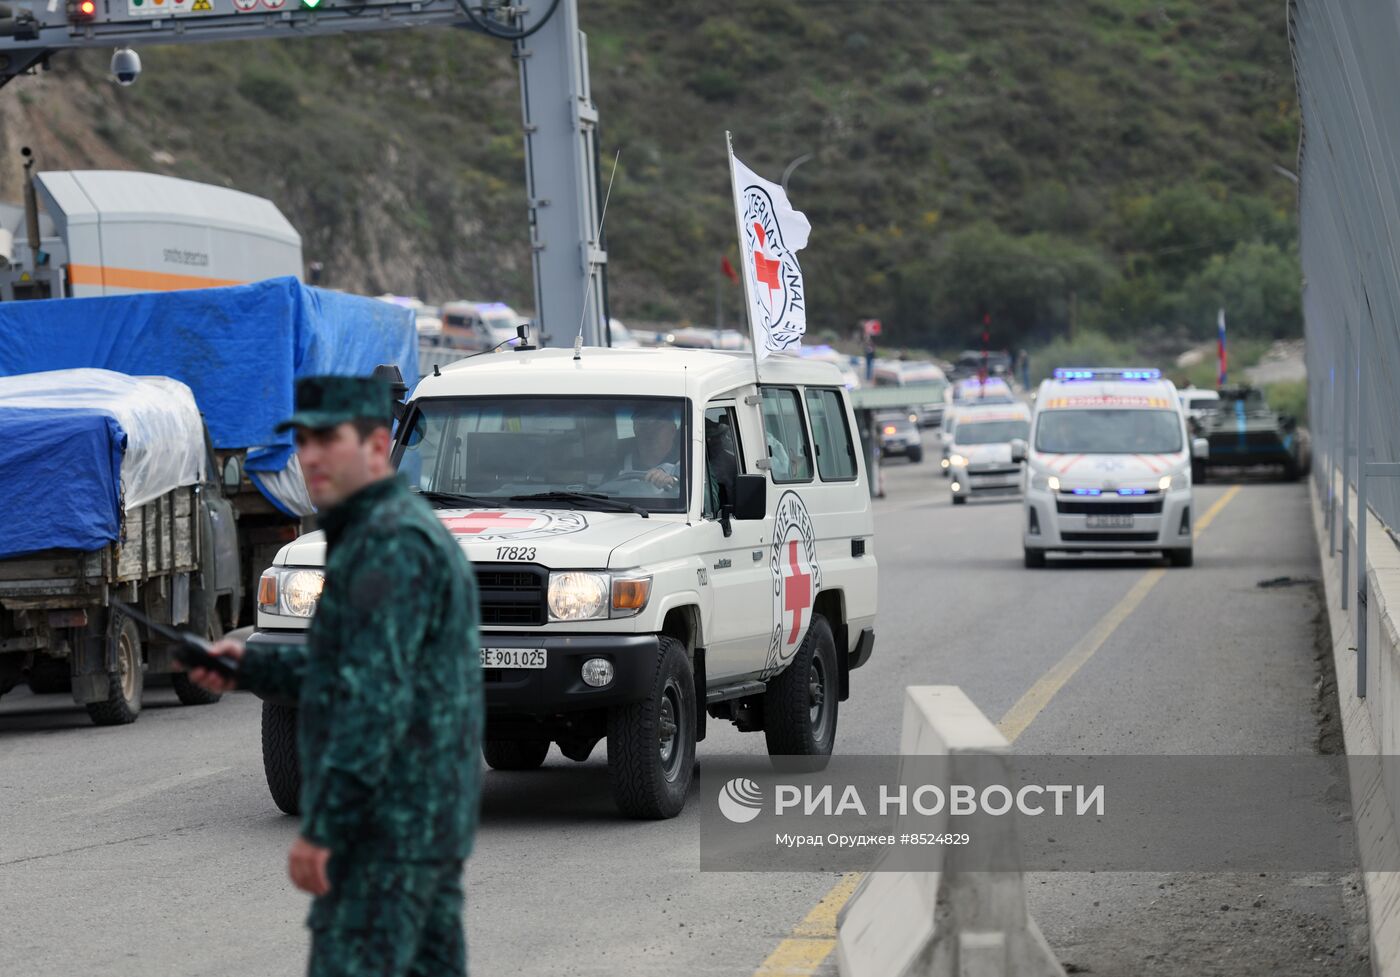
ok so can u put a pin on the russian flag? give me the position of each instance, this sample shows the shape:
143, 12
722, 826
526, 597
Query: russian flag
1220, 342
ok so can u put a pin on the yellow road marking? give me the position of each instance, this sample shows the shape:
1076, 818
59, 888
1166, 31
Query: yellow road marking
813, 939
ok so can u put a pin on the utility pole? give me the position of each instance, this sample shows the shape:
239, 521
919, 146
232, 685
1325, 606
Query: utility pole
561, 177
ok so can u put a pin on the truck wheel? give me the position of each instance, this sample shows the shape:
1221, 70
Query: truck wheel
124, 686
281, 766
651, 744
1035, 559
800, 706
48, 676
186, 691
515, 754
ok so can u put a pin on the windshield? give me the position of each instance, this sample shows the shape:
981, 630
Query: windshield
992, 432
1204, 403
626, 449
1108, 432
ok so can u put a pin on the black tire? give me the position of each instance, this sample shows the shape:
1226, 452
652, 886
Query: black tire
515, 754
802, 703
204, 620
959, 500
916, 456
1183, 557
281, 765
125, 685
1035, 559
50, 676
651, 744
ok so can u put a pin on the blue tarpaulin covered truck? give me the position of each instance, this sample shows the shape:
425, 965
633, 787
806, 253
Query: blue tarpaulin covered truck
67, 457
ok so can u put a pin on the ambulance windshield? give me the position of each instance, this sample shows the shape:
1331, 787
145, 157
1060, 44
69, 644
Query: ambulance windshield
992, 432
508, 449
1108, 432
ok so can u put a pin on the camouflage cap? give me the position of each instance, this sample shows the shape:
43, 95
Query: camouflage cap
326, 401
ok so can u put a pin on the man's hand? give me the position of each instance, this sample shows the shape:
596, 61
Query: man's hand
212, 680
306, 864
661, 478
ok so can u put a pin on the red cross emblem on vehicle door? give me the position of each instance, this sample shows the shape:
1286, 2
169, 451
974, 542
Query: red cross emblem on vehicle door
486, 522
797, 591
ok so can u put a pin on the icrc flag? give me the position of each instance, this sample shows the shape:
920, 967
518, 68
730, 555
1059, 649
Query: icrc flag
770, 235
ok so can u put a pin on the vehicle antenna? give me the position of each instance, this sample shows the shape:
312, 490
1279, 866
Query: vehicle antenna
588, 285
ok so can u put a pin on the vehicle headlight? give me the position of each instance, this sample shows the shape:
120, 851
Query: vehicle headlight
1045, 482
957, 460
290, 592
576, 595
587, 595
1173, 483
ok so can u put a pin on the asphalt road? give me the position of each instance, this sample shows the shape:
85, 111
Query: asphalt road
154, 849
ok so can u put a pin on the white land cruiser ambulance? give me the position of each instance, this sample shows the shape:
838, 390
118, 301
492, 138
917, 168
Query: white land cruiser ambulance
656, 539
1108, 466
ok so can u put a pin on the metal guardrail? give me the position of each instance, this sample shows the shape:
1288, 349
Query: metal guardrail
1347, 65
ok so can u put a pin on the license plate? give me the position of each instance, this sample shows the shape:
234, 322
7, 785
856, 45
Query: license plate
1109, 522
513, 658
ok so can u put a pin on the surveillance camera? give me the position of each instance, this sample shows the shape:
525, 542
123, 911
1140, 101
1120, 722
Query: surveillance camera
126, 65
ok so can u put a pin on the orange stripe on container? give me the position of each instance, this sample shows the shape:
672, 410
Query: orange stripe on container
152, 281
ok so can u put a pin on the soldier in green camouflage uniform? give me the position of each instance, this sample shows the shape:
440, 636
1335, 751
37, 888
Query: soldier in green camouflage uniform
391, 712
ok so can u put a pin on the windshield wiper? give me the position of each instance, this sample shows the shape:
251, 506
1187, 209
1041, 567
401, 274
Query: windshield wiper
588, 498
450, 500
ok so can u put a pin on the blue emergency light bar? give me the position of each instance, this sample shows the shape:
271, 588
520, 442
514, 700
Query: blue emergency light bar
1106, 374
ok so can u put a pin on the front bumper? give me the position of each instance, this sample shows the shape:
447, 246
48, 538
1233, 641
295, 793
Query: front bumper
1060, 521
982, 480
541, 692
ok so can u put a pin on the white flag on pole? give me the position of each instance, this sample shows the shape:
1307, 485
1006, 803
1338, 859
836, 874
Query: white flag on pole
770, 235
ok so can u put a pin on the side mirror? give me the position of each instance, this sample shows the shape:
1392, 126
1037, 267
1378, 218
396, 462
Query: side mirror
232, 475
1200, 449
1018, 450
751, 497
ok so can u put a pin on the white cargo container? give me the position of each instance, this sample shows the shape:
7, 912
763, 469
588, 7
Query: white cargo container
110, 233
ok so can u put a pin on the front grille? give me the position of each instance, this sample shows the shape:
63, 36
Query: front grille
994, 470
511, 595
1109, 537
1137, 507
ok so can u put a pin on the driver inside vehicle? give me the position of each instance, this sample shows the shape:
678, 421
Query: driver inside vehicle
655, 451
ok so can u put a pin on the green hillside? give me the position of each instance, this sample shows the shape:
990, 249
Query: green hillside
1113, 161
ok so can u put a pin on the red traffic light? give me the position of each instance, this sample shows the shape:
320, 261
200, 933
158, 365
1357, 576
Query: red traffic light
82, 10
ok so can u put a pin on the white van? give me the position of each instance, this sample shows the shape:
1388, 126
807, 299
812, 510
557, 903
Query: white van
1108, 466
657, 539
979, 450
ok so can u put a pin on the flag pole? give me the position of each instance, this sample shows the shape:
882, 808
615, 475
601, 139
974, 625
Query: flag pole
744, 269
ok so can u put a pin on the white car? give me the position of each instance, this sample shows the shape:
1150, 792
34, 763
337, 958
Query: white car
656, 538
979, 450
1198, 404
1108, 466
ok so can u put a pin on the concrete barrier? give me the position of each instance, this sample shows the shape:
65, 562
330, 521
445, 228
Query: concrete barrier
953, 922
1370, 725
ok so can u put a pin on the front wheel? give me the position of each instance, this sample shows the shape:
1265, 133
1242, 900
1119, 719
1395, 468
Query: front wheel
959, 500
651, 744
1035, 559
800, 706
205, 622
281, 765
125, 685
916, 455
1183, 557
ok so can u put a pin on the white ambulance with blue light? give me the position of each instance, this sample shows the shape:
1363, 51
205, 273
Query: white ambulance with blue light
1108, 466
